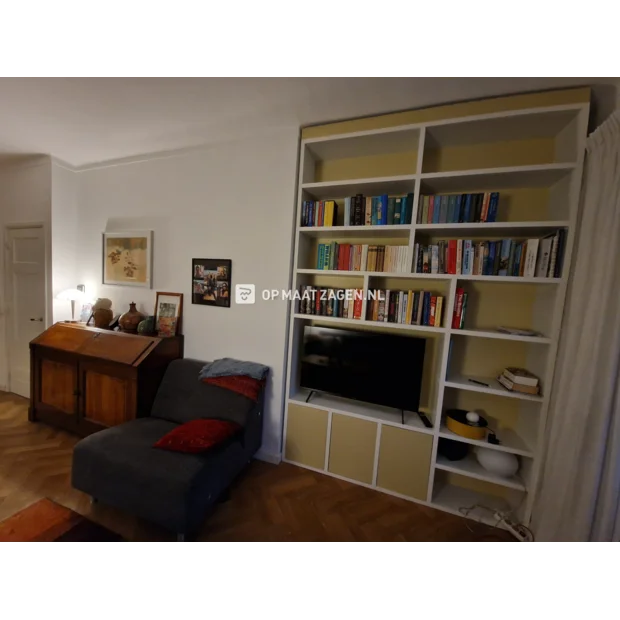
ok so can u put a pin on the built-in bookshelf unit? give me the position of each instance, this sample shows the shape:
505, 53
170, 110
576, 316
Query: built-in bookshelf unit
505, 177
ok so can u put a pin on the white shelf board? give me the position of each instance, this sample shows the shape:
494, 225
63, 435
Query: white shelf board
514, 279
453, 498
470, 467
397, 326
489, 333
516, 229
364, 143
344, 272
357, 409
460, 382
543, 175
399, 230
519, 125
402, 184
511, 442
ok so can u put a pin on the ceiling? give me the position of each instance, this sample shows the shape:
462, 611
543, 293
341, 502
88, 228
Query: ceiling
86, 120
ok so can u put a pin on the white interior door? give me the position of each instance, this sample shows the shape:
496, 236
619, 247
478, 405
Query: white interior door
26, 301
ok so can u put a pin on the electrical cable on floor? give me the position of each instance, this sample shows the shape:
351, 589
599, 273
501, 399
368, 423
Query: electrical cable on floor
520, 531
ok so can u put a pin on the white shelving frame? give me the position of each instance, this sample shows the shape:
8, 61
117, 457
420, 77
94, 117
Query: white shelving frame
539, 120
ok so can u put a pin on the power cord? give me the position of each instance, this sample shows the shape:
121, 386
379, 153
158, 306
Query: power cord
521, 532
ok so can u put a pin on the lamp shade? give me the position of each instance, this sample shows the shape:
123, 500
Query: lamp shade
71, 294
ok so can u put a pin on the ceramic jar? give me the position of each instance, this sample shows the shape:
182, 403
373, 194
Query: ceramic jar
102, 313
503, 464
131, 319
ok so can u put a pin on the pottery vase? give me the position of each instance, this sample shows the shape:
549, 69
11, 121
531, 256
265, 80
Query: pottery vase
501, 464
103, 317
147, 326
131, 319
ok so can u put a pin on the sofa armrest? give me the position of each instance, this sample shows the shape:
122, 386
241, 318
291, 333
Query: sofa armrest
253, 431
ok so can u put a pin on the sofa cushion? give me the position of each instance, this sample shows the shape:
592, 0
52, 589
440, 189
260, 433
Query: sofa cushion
183, 397
198, 436
121, 467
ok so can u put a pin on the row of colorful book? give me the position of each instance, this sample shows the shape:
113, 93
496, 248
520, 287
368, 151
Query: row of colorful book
531, 258
355, 257
336, 302
457, 208
359, 210
319, 213
405, 307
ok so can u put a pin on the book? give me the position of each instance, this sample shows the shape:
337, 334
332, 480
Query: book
434, 259
554, 254
560, 257
493, 205
467, 210
504, 257
516, 387
459, 208
391, 208
408, 205
515, 331
398, 210
431, 210
452, 214
459, 256
451, 260
443, 210
477, 204
432, 308
438, 311
467, 258
458, 306
383, 201
347, 211
425, 205
530, 258
368, 211
544, 254
486, 197
437, 210
463, 310
521, 376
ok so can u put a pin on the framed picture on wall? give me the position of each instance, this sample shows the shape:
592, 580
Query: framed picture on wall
168, 313
211, 281
127, 258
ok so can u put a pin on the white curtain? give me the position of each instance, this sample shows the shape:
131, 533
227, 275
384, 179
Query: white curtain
579, 494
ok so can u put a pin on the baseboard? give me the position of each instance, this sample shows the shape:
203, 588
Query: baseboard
268, 457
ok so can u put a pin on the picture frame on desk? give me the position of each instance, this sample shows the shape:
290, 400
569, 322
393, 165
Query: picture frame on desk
168, 314
211, 281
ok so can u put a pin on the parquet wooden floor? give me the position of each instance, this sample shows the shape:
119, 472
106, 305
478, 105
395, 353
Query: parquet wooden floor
269, 502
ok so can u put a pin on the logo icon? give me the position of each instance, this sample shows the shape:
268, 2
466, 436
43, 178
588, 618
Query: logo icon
245, 293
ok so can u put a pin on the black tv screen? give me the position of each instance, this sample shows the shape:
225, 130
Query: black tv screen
374, 368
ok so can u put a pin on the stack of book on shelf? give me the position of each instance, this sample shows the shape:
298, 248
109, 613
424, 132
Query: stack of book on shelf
540, 258
405, 307
382, 210
359, 210
460, 309
519, 380
351, 257
338, 302
455, 208
319, 213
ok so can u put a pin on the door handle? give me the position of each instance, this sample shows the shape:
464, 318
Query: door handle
39, 320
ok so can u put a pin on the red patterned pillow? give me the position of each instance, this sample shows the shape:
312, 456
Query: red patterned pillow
246, 386
198, 436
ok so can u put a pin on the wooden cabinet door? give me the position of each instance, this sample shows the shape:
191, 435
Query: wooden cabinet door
107, 395
55, 389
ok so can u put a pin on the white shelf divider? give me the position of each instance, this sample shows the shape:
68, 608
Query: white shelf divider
356, 409
470, 467
398, 326
489, 333
460, 382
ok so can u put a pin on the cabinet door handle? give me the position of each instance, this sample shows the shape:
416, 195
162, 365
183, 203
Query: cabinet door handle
38, 320
76, 392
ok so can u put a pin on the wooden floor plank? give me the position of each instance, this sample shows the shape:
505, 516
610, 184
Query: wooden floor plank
268, 502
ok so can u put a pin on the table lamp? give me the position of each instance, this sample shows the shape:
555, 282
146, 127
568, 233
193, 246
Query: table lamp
72, 295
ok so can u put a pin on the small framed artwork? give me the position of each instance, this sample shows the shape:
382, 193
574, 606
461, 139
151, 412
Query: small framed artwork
168, 314
127, 258
211, 279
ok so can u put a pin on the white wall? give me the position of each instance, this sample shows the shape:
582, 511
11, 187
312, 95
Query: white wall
235, 201
64, 232
25, 197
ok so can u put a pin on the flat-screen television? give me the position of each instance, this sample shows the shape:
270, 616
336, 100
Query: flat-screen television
375, 368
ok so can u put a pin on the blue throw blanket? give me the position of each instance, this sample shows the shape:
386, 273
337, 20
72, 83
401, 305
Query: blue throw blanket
229, 367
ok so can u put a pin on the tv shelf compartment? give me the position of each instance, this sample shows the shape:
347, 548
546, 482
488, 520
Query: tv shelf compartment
534, 158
